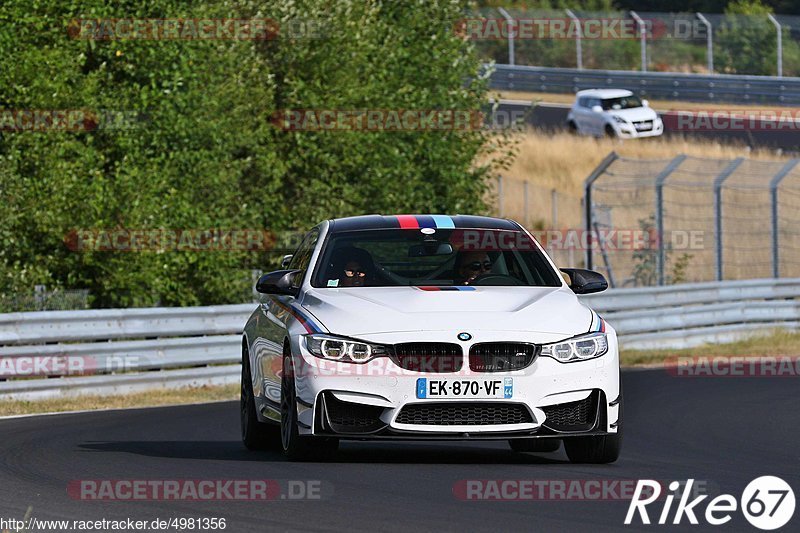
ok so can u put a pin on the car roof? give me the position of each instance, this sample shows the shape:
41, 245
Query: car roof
604, 93
365, 222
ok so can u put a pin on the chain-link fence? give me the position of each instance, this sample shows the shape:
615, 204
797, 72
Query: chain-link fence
701, 43
666, 221
656, 222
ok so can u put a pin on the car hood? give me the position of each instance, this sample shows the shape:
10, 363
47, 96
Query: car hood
369, 310
635, 114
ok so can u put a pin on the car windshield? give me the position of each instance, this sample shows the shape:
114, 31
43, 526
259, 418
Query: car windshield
623, 102
432, 258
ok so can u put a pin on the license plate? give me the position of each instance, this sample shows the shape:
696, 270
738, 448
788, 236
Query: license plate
644, 127
465, 388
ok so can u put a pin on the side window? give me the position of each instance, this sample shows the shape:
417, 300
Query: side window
302, 257
582, 101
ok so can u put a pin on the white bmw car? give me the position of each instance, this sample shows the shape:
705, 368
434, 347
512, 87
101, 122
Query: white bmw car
428, 327
614, 113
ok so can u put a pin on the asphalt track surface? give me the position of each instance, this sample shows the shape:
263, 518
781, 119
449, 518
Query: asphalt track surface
726, 431
553, 117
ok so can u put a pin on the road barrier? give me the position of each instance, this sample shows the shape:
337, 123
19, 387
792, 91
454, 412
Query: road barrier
117, 351
653, 85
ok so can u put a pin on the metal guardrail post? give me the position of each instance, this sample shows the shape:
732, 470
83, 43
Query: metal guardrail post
721, 177
587, 198
661, 259
709, 42
578, 38
511, 34
780, 42
643, 36
773, 192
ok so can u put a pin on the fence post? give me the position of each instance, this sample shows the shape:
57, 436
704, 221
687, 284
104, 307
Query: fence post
643, 37
661, 258
780, 42
587, 199
500, 195
578, 37
773, 192
511, 34
525, 197
721, 177
709, 42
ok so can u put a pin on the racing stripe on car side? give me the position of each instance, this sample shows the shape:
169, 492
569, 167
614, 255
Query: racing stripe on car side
301, 316
598, 324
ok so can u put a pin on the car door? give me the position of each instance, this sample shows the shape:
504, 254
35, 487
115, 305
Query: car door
273, 323
596, 120
581, 114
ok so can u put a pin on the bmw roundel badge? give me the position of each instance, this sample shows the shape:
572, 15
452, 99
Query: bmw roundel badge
464, 336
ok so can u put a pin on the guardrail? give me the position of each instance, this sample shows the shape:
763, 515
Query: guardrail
656, 85
128, 350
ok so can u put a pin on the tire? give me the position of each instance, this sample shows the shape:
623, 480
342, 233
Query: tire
256, 435
610, 133
535, 445
572, 127
596, 449
298, 447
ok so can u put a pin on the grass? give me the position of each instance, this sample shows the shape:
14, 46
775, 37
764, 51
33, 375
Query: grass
777, 343
139, 399
562, 161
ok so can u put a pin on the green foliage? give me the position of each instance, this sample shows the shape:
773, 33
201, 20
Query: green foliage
202, 153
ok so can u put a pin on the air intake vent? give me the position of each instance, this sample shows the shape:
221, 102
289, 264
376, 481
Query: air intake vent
464, 414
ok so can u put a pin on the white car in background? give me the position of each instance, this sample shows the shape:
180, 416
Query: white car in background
613, 113
429, 327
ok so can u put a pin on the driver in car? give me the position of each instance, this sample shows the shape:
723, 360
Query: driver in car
470, 265
353, 267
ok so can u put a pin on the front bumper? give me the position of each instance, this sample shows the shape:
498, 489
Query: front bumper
377, 400
629, 131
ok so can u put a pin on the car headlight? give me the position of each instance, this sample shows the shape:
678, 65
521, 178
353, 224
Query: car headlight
577, 348
343, 349
619, 119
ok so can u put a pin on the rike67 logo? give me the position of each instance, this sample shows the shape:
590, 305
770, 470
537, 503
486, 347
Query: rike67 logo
767, 503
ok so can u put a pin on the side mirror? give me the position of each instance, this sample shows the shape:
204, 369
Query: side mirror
286, 260
280, 282
584, 281
597, 109
645, 103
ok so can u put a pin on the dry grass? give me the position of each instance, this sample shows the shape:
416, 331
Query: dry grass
661, 105
139, 399
561, 162
777, 343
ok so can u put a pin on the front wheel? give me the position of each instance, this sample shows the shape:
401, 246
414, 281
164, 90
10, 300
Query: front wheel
256, 435
295, 446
